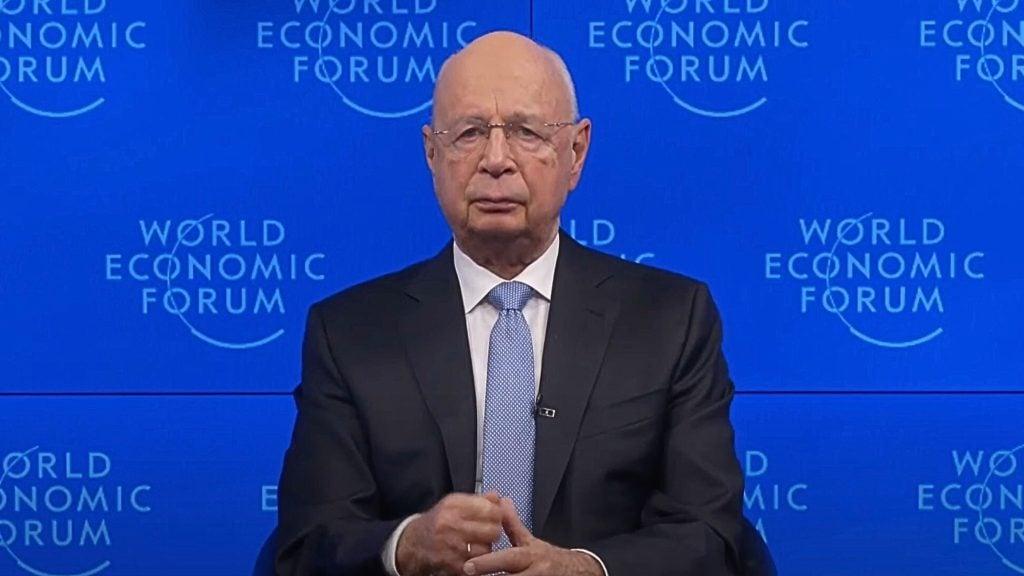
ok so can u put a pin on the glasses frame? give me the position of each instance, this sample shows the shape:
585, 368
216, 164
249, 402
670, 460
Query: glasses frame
505, 127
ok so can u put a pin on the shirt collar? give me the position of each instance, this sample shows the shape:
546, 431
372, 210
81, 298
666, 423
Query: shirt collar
476, 282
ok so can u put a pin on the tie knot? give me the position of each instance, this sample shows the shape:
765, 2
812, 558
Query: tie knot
510, 296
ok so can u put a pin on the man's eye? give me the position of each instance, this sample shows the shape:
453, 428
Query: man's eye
470, 134
525, 133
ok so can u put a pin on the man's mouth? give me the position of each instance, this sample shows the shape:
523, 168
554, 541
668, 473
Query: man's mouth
495, 205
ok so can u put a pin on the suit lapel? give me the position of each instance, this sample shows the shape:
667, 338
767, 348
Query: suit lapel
433, 329
579, 326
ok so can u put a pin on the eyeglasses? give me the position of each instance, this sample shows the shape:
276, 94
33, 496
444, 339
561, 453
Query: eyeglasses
523, 137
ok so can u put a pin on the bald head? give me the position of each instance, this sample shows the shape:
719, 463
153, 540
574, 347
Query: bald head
502, 60
502, 191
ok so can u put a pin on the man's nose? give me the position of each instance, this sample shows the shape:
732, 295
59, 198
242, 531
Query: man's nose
497, 158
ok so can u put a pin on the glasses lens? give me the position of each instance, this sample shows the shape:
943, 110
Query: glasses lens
468, 138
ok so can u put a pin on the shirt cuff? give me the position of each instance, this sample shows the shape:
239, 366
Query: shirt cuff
388, 556
592, 555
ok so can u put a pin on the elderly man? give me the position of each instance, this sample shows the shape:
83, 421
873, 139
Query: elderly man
518, 403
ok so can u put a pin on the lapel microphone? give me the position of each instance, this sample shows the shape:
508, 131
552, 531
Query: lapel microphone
541, 411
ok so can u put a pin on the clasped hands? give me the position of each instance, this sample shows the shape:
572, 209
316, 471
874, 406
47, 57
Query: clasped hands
454, 538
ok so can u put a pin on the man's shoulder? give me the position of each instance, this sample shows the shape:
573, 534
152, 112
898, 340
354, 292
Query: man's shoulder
374, 294
639, 277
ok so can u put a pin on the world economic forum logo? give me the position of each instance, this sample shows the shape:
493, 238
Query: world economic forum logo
601, 233
985, 40
711, 57
768, 494
380, 58
226, 281
55, 56
885, 279
60, 511
984, 500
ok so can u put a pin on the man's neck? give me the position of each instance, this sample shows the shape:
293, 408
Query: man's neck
505, 258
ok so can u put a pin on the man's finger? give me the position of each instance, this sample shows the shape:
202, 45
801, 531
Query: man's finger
473, 507
518, 534
474, 550
479, 532
509, 560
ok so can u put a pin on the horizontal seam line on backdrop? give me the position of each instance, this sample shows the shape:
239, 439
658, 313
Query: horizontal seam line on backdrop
738, 393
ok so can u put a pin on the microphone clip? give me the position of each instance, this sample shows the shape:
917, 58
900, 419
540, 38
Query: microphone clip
541, 411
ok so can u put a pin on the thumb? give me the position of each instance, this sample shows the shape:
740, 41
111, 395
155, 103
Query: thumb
518, 534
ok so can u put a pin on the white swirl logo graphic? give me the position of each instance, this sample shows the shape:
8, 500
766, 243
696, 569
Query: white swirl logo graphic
380, 59
56, 510
985, 500
883, 278
712, 58
1001, 509
986, 38
54, 56
225, 281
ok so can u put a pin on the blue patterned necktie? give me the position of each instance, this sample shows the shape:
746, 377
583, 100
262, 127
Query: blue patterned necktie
508, 413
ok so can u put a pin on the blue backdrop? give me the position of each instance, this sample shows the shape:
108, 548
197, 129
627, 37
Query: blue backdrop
183, 178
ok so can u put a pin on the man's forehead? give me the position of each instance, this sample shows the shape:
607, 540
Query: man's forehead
501, 75
515, 99
509, 110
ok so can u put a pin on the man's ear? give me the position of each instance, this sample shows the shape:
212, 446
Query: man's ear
580, 147
429, 147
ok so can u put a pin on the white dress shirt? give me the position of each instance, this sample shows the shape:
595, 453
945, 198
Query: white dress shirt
476, 282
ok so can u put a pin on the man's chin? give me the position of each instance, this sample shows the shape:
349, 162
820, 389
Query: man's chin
497, 226
497, 233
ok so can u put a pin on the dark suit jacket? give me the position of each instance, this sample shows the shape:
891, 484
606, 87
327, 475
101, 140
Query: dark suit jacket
638, 465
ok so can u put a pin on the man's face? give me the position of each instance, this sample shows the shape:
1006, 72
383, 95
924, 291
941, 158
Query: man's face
497, 186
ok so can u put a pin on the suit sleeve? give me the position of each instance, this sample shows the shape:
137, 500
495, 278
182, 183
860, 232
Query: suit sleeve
328, 510
692, 523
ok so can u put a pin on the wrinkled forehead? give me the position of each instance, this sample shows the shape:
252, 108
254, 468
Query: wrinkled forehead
510, 90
